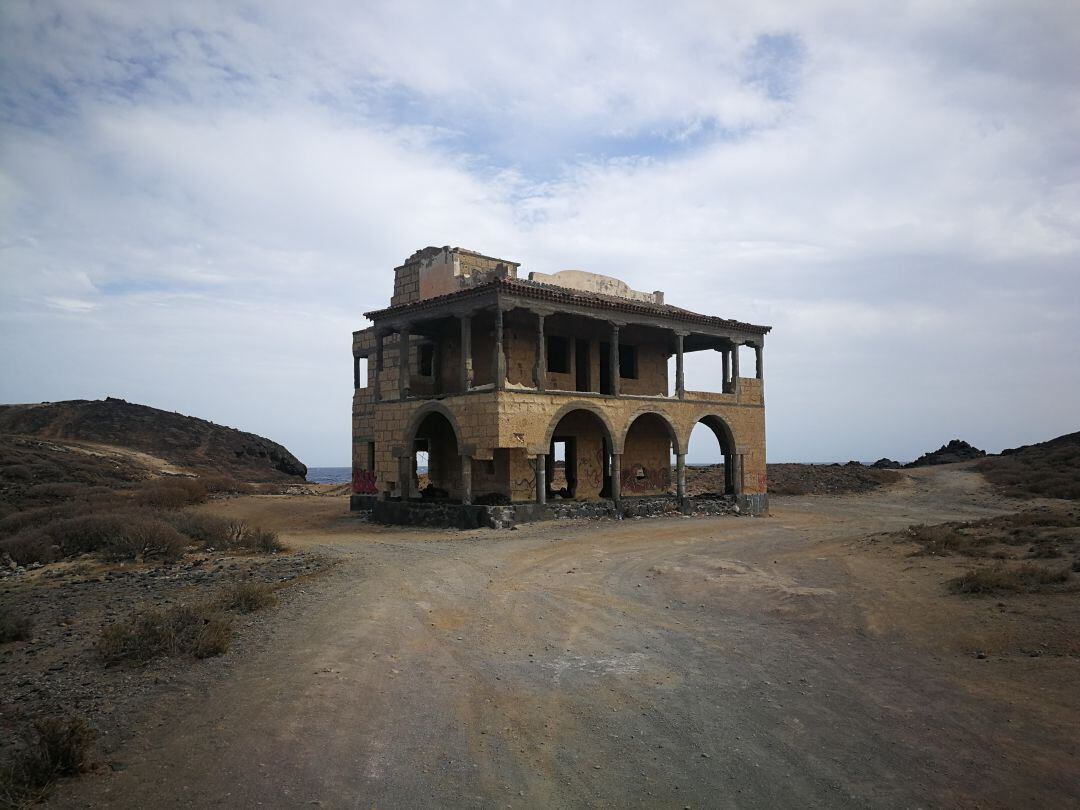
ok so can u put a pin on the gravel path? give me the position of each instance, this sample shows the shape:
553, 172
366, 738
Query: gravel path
712, 662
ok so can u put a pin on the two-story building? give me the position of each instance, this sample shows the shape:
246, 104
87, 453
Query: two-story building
490, 378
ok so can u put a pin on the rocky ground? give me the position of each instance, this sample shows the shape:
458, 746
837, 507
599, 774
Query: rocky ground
68, 604
815, 658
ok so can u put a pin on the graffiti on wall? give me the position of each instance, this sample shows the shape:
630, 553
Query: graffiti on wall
640, 479
363, 482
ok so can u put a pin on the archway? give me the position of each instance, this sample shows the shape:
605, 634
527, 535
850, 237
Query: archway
578, 463
731, 482
434, 460
646, 460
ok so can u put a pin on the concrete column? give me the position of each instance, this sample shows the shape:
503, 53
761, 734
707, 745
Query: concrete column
614, 359
616, 477
541, 479
735, 367
759, 356
540, 372
466, 479
466, 353
404, 383
680, 374
356, 372
405, 476
727, 370
499, 358
378, 365
680, 476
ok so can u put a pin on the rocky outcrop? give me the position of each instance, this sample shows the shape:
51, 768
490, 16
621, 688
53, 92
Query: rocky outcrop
193, 443
950, 453
886, 464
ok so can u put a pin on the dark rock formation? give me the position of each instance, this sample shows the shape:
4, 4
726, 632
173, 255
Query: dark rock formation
886, 464
193, 443
950, 453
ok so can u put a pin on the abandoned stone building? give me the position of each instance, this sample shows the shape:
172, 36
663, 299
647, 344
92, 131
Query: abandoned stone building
544, 394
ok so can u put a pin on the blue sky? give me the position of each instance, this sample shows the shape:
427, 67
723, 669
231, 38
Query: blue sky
198, 201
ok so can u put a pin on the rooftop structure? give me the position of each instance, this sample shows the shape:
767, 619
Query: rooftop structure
491, 378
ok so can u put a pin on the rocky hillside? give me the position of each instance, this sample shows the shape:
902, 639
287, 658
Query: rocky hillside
48, 430
1049, 469
951, 453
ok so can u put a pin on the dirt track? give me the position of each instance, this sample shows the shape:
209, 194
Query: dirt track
718, 662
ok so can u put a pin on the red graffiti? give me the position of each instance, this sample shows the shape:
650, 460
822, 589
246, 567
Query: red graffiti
363, 482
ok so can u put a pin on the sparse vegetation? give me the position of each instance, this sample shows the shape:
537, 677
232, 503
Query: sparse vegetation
57, 746
246, 597
1048, 470
172, 493
1037, 534
200, 631
1023, 578
14, 625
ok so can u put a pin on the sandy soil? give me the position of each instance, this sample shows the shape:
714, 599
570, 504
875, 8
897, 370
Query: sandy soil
694, 662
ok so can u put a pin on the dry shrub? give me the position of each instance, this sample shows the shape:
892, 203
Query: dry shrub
246, 597
58, 746
196, 630
29, 546
171, 493
264, 541
1024, 578
211, 531
14, 626
224, 483
146, 538
38, 517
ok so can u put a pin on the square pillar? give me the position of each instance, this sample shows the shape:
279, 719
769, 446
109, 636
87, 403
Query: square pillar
499, 356
680, 476
680, 374
405, 472
404, 382
614, 359
725, 382
541, 479
466, 479
378, 365
735, 367
759, 357
616, 477
466, 353
540, 372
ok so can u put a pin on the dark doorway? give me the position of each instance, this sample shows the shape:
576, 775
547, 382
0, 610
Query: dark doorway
581, 364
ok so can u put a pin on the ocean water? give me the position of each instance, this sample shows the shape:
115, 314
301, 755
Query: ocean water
336, 475
329, 475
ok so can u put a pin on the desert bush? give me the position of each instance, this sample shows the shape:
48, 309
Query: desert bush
261, 540
211, 531
246, 597
197, 630
171, 493
1024, 578
59, 745
38, 517
14, 625
224, 483
146, 538
29, 546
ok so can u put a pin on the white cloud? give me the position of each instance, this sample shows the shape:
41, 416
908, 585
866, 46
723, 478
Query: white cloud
199, 202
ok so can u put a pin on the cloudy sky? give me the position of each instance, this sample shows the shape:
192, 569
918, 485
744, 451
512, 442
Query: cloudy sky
199, 201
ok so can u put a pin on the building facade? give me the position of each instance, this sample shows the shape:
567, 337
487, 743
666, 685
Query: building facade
490, 378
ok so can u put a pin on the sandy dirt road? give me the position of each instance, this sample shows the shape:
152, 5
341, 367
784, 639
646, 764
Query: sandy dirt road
725, 662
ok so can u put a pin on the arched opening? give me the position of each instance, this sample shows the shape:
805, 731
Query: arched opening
647, 455
435, 465
702, 454
578, 463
